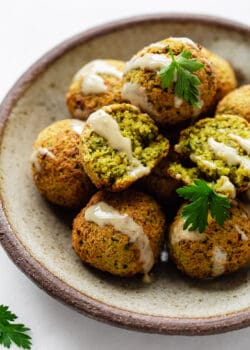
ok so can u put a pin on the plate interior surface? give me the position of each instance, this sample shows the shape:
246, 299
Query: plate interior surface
45, 232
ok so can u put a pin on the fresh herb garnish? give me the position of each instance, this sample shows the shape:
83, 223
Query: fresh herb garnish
204, 200
186, 84
12, 332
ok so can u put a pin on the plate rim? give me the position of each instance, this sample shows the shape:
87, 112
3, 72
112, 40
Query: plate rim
47, 280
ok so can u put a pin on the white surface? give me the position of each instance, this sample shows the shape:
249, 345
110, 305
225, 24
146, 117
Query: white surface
28, 29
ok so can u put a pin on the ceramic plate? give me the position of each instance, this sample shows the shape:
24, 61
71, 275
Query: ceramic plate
37, 237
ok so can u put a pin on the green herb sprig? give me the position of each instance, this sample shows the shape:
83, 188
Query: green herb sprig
186, 84
204, 200
12, 332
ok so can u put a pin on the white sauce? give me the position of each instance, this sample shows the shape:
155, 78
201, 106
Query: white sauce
157, 45
178, 148
137, 170
104, 125
245, 163
137, 96
241, 232
77, 126
219, 261
103, 214
244, 143
178, 101
164, 256
179, 234
228, 154
43, 152
186, 41
93, 83
196, 110
149, 61
206, 163
227, 187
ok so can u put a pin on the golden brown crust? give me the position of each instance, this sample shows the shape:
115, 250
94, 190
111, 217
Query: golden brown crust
236, 102
81, 106
196, 257
163, 101
110, 250
61, 179
226, 79
159, 183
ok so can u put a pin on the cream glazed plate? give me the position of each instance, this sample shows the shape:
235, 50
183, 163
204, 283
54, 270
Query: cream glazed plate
37, 236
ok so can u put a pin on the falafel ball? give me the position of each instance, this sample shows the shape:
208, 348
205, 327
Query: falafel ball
119, 145
236, 102
56, 167
216, 150
142, 83
119, 233
219, 250
95, 85
226, 79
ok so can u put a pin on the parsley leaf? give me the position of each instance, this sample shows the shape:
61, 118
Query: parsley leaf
191, 64
181, 70
167, 75
12, 332
219, 201
204, 200
6, 314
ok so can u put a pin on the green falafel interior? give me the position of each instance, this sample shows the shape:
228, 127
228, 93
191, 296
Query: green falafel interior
119, 145
214, 161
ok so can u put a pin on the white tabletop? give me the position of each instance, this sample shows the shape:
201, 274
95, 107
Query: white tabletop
28, 28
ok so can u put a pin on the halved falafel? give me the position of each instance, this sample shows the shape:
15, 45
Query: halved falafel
119, 145
216, 149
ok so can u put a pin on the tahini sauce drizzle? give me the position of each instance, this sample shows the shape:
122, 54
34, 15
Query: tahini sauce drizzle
244, 143
185, 41
43, 152
77, 126
228, 154
198, 159
104, 125
227, 187
219, 261
157, 45
136, 94
93, 83
103, 214
179, 234
150, 61
241, 233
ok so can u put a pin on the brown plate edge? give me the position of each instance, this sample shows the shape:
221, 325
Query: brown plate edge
60, 289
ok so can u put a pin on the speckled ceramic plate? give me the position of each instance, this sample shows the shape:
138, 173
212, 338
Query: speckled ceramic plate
37, 237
